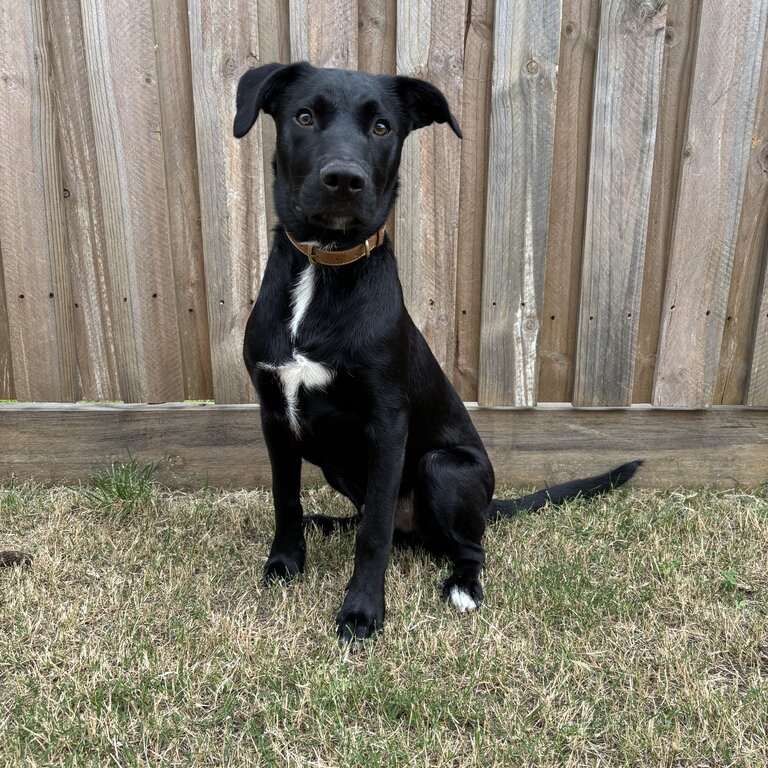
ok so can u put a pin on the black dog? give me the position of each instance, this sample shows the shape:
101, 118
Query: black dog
345, 379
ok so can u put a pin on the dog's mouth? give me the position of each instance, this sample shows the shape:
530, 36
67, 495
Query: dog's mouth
336, 222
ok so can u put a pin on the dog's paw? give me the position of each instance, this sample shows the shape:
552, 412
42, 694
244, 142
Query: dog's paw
355, 622
462, 593
281, 568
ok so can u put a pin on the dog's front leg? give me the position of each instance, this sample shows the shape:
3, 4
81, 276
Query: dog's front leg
286, 558
362, 612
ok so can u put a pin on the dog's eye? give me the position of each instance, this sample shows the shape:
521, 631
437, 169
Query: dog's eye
304, 117
381, 128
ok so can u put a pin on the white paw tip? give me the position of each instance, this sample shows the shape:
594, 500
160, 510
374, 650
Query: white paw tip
461, 600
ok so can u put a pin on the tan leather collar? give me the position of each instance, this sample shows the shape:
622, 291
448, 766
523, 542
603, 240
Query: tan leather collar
339, 258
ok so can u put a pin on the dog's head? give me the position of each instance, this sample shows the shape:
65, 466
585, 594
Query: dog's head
339, 138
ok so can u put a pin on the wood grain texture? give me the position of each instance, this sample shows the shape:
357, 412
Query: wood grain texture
7, 391
174, 70
91, 305
526, 46
324, 32
32, 221
212, 445
626, 102
570, 165
377, 23
430, 44
716, 155
226, 38
120, 55
475, 122
739, 333
757, 386
677, 70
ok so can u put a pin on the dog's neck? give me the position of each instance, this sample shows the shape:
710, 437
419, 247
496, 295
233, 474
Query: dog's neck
329, 257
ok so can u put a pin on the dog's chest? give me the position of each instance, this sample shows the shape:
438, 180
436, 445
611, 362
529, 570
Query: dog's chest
299, 372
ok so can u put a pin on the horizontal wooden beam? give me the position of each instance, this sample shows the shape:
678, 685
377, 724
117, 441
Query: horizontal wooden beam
221, 445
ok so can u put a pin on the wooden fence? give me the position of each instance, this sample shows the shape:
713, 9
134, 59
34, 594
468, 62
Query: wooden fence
598, 238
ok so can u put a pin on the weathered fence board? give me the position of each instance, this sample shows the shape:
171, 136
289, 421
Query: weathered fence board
680, 38
226, 38
96, 356
570, 172
526, 43
324, 32
430, 37
475, 122
32, 225
120, 55
716, 154
757, 389
7, 391
377, 21
219, 445
174, 69
740, 319
627, 84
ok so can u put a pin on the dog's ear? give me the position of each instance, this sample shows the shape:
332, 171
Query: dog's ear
424, 104
257, 89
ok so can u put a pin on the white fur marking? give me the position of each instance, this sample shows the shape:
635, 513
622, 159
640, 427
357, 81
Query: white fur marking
301, 296
301, 371
461, 600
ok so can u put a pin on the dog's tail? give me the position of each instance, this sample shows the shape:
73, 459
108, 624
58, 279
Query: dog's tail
557, 494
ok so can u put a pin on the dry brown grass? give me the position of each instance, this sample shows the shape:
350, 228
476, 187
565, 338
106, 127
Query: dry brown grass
631, 630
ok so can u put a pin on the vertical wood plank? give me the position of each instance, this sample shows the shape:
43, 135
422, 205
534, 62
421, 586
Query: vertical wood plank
475, 121
377, 21
91, 299
430, 44
570, 165
757, 387
120, 51
526, 46
720, 120
7, 391
32, 222
226, 38
680, 45
627, 85
741, 313
174, 69
324, 32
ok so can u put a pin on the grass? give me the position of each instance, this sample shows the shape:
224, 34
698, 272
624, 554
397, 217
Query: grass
630, 630
122, 485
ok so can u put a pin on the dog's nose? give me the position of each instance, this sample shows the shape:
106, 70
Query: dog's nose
343, 178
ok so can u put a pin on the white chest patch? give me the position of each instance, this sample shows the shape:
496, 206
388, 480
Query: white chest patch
300, 371
301, 298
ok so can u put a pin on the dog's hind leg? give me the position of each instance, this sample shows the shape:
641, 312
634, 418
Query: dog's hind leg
327, 524
452, 493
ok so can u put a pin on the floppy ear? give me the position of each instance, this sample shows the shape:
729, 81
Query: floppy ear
257, 89
424, 104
